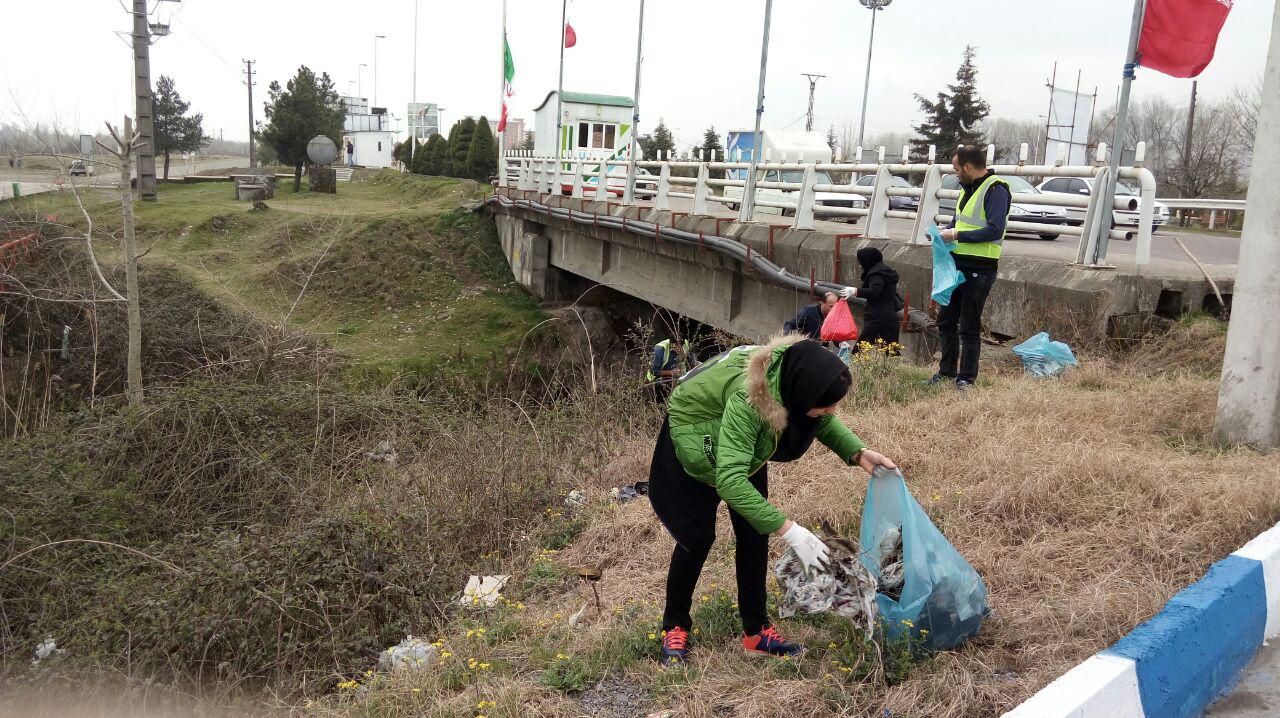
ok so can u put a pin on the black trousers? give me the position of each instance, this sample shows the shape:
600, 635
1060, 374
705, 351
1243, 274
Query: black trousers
687, 507
960, 325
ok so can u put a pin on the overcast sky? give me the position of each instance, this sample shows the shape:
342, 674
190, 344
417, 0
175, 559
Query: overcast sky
63, 60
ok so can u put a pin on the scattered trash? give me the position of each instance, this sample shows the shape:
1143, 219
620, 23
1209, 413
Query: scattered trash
641, 487
385, 452
48, 648
411, 654
945, 275
592, 575
943, 601
624, 494
891, 570
1043, 357
845, 588
839, 325
575, 498
483, 590
576, 618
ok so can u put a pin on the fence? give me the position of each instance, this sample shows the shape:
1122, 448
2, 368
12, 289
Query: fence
604, 179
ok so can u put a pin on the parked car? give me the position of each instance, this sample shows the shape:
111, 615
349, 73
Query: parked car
1038, 213
908, 204
1080, 186
822, 200
80, 168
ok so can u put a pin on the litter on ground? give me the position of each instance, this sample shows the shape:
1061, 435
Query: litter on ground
575, 498
483, 590
845, 587
410, 654
1042, 356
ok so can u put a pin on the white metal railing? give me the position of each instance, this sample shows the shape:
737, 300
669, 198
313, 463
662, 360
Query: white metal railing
603, 179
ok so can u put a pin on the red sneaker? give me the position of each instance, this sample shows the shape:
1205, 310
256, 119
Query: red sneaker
675, 646
770, 643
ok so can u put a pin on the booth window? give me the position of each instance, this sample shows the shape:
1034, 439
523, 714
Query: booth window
597, 135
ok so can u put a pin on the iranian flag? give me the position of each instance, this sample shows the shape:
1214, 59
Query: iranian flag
1179, 36
509, 73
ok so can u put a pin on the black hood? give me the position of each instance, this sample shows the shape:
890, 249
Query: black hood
872, 262
811, 377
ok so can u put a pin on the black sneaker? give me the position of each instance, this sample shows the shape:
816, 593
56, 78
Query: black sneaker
963, 385
936, 379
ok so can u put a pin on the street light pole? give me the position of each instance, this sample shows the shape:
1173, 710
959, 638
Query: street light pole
874, 6
376, 38
747, 209
413, 97
630, 188
360, 80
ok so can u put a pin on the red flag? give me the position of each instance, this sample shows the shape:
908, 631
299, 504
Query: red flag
1179, 36
570, 37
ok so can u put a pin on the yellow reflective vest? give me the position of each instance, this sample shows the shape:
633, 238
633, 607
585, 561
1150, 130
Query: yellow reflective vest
972, 214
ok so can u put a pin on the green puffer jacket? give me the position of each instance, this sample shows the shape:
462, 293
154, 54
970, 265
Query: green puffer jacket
726, 418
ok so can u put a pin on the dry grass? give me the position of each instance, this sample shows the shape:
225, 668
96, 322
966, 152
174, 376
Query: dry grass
1084, 502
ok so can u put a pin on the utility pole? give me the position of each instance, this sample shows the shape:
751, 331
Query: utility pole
1249, 395
747, 209
813, 85
629, 190
248, 81
1186, 139
376, 38
143, 103
414, 121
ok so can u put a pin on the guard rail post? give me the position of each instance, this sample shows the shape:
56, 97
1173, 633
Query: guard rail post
577, 178
663, 199
927, 212
700, 189
877, 220
1146, 215
804, 202
602, 181
1094, 214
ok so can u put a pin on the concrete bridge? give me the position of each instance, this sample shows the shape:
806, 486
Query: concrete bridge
557, 246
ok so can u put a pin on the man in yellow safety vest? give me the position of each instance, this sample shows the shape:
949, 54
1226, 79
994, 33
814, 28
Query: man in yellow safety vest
668, 365
982, 215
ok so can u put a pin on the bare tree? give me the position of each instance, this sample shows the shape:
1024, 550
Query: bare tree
126, 143
1244, 105
1009, 135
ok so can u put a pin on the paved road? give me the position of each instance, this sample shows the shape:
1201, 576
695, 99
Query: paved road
1257, 695
109, 177
1218, 254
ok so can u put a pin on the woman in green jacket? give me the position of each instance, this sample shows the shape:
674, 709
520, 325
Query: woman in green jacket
725, 421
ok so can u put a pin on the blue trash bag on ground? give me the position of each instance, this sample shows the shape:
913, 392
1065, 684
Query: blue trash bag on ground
942, 600
1043, 357
945, 275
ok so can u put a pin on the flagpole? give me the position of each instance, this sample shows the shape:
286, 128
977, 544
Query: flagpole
1107, 205
502, 98
564, 15
749, 188
630, 189
414, 121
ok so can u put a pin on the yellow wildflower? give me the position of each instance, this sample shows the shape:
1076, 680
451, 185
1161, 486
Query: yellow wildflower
417, 690
653, 636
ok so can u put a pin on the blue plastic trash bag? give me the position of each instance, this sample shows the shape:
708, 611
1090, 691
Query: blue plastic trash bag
1042, 357
941, 600
945, 275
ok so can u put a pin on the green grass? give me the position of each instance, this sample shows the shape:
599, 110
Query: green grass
405, 282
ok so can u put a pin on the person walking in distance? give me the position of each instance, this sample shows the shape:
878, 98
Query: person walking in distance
725, 422
351, 154
982, 215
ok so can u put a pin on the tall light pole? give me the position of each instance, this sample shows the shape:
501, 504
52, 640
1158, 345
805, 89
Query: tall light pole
376, 38
747, 209
360, 80
630, 187
874, 6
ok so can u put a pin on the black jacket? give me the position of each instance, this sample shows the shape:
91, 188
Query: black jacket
880, 289
808, 321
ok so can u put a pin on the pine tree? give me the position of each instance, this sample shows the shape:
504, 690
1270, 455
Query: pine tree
175, 132
660, 141
422, 158
459, 141
954, 119
438, 158
307, 106
482, 154
710, 144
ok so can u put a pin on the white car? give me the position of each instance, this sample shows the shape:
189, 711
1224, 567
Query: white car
822, 200
1037, 213
1083, 187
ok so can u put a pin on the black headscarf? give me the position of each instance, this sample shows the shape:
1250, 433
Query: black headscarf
869, 257
811, 377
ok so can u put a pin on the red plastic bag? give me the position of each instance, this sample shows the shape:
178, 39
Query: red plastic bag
839, 325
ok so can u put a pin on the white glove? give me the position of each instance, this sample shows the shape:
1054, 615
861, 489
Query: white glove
848, 292
808, 547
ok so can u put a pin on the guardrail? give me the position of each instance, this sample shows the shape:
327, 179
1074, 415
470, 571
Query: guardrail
606, 178
1213, 205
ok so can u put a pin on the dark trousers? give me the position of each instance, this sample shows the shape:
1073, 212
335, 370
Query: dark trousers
687, 507
960, 325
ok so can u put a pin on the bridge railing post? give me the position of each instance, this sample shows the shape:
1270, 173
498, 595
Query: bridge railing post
602, 181
663, 199
551, 176
1094, 214
805, 200
927, 211
700, 189
877, 220
577, 177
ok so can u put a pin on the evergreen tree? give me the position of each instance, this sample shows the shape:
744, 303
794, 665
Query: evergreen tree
422, 156
306, 107
401, 151
955, 118
438, 157
660, 141
528, 142
459, 143
175, 132
482, 154
711, 143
